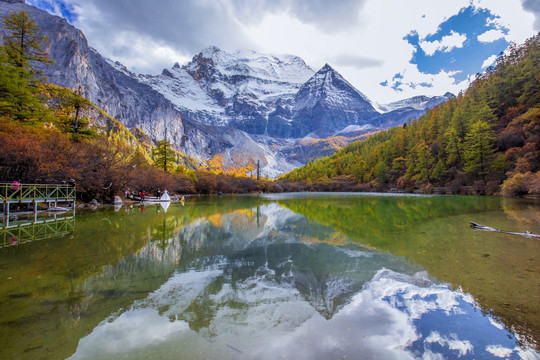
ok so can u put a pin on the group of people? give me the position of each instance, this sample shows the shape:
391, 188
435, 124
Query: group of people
132, 194
141, 194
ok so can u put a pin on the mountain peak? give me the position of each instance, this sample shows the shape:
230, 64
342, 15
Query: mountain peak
329, 81
213, 64
327, 102
210, 52
326, 68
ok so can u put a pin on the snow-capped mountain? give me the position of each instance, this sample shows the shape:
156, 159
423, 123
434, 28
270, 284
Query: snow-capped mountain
245, 105
421, 103
278, 96
399, 112
275, 96
327, 104
235, 89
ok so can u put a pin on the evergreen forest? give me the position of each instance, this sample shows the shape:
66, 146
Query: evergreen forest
484, 141
50, 134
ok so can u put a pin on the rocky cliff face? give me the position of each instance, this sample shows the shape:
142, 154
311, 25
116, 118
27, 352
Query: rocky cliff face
79, 67
327, 103
232, 89
244, 105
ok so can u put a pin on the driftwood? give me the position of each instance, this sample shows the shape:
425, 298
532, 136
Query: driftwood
487, 228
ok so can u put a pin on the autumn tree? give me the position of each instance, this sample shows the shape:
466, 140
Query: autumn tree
215, 164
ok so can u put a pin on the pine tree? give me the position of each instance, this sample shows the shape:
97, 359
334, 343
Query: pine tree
18, 80
164, 156
479, 148
23, 43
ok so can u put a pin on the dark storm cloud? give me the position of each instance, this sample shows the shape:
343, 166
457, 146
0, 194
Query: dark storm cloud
186, 25
191, 25
533, 6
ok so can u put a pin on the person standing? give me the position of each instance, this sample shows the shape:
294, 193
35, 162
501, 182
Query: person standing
15, 185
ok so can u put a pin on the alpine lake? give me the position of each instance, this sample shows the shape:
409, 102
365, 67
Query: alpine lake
275, 276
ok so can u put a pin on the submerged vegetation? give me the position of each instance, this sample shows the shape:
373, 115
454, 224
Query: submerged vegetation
486, 140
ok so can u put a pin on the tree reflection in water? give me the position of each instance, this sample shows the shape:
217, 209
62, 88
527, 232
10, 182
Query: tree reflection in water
248, 277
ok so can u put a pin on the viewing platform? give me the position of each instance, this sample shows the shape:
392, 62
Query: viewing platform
34, 194
20, 232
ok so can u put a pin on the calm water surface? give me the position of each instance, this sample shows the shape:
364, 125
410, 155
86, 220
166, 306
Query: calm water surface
294, 276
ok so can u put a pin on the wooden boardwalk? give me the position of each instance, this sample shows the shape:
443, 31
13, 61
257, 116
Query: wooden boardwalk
35, 194
20, 232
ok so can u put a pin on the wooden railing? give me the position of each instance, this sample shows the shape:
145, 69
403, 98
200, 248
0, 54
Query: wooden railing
21, 232
32, 193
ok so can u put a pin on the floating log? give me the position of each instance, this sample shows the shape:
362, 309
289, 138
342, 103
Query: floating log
487, 228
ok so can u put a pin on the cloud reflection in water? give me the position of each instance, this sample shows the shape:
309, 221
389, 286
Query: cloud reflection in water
394, 316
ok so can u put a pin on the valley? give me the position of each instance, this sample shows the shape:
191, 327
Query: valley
244, 106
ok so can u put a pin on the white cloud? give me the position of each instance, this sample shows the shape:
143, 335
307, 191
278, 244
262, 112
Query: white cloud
362, 39
512, 16
489, 61
462, 346
446, 44
490, 36
499, 351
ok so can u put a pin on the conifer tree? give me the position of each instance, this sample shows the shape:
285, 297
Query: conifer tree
18, 80
479, 148
164, 156
23, 43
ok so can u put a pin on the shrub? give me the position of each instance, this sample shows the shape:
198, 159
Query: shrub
517, 185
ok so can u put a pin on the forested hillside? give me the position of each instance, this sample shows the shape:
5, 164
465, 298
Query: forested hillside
486, 137
50, 134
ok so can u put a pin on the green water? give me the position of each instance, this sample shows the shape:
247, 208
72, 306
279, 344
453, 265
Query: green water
295, 276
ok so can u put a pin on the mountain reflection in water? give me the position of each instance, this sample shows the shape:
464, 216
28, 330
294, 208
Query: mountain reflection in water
266, 283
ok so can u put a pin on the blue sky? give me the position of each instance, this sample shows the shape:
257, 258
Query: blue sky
388, 49
57, 7
466, 55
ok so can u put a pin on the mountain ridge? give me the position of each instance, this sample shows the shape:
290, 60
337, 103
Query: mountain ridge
254, 99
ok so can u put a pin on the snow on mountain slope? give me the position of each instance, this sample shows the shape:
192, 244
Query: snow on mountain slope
329, 87
327, 103
283, 68
352, 128
182, 90
416, 103
221, 88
